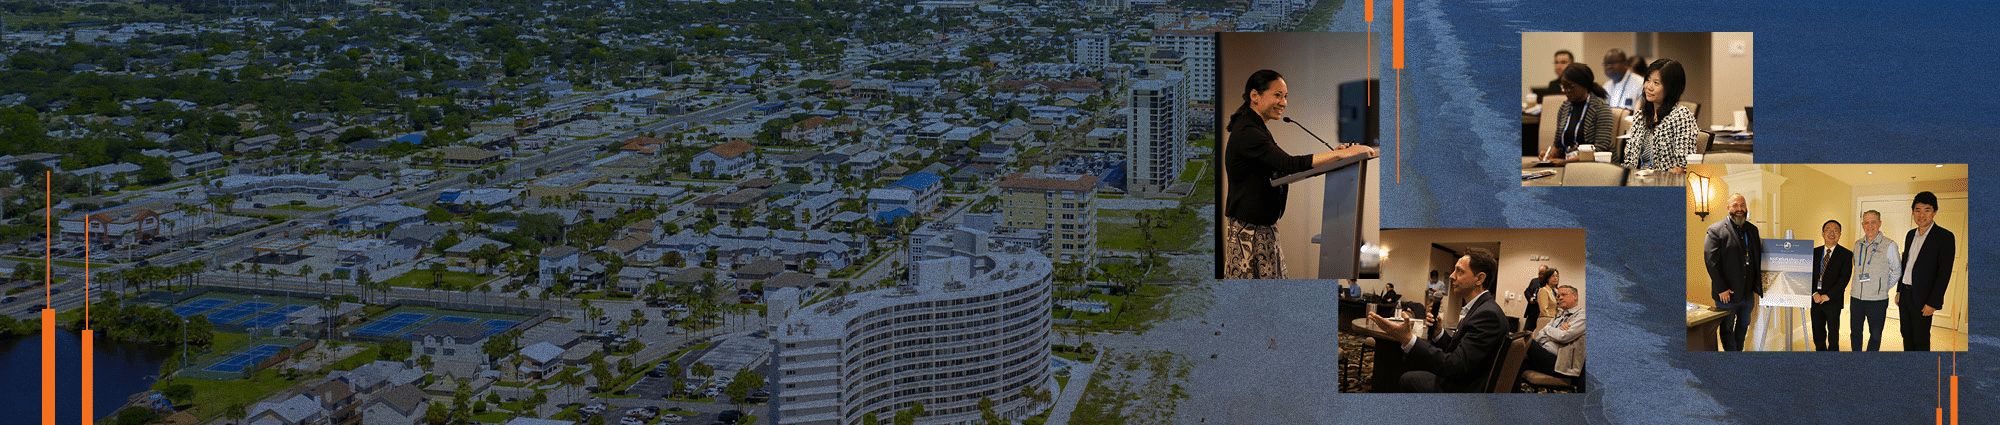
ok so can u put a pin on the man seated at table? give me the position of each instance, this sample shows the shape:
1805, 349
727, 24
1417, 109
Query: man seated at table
1558, 347
1459, 360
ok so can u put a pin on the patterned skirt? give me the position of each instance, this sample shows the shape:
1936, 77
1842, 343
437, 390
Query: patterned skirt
1252, 251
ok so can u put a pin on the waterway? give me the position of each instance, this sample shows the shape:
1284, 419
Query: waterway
122, 369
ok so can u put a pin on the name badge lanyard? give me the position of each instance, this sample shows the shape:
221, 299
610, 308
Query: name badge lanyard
1575, 124
1868, 258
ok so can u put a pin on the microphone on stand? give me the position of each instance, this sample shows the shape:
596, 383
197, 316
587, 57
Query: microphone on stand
1310, 133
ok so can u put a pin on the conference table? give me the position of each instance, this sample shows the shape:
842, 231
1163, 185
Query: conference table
1656, 178
1726, 142
1389, 366
1702, 324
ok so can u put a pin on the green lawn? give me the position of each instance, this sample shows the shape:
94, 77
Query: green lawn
1320, 16
65, 263
1173, 230
364, 357
453, 280
211, 398
1143, 309
1193, 169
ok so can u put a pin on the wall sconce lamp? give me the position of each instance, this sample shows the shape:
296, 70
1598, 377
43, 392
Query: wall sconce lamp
1699, 184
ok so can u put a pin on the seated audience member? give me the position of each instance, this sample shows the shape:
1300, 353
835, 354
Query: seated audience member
1664, 134
1584, 119
1558, 347
1458, 360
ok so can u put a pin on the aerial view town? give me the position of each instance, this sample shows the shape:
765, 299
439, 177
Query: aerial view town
618, 211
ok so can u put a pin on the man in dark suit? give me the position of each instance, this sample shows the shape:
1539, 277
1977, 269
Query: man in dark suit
1832, 266
1928, 255
1734, 254
1457, 361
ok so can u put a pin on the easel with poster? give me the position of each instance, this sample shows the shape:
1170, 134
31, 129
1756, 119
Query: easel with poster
1787, 281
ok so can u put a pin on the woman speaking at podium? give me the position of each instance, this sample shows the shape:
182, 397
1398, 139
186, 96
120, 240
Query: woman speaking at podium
1252, 160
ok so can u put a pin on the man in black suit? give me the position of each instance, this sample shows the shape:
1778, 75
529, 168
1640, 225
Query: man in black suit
1457, 361
1832, 266
1928, 255
1734, 254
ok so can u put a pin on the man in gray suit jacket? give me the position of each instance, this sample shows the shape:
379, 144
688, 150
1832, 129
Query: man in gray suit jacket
1457, 361
1734, 254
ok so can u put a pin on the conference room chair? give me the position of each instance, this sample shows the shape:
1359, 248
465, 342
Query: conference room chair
1547, 130
1594, 174
1703, 141
1623, 128
1507, 365
1552, 382
1694, 109
1724, 158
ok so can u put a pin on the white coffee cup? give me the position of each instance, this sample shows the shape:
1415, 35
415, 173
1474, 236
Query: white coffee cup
1694, 158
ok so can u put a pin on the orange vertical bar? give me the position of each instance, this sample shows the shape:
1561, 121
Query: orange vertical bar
89, 374
1368, 11
48, 366
1940, 416
1396, 39
1954, 399
48, 310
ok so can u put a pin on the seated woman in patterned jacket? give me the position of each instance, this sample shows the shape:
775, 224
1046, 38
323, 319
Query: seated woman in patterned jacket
1664, 134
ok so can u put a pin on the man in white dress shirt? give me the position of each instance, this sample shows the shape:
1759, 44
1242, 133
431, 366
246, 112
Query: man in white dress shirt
1622, 87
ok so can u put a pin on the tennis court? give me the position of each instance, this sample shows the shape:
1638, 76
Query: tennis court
199, 306
237, 362
237, 312
388, 326
274, 317
496, 326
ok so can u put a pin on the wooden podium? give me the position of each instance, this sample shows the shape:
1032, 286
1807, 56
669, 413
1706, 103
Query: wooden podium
1340, 220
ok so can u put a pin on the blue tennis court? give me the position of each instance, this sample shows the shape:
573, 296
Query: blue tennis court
200, 306
496, 326
237, 362
388, 326
456, 319
237, 312
274, 317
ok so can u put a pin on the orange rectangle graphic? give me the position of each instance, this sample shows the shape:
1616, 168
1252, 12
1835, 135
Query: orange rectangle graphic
1396, 39
89, 374
49, 366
